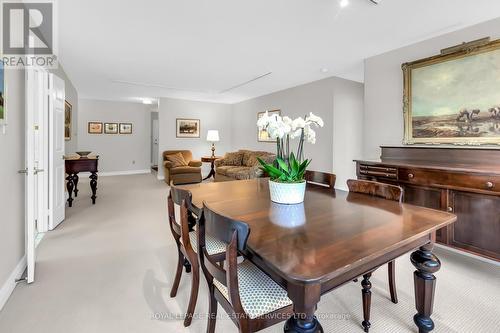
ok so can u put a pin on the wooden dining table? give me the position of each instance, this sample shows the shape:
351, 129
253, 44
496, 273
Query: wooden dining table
332, 238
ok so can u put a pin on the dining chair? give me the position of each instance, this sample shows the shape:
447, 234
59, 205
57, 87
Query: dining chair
186, 241
389, 192
320, 178
250, 297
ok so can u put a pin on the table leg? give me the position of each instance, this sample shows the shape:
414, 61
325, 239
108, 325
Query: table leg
69, 187
367, 299
212, 171
426, 264
93, 186
75, 182
305, 299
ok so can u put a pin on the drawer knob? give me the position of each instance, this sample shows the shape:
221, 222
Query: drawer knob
450, 209
489, 185
411, 176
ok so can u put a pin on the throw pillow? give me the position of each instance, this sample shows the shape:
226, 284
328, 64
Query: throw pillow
177, 160
233, 158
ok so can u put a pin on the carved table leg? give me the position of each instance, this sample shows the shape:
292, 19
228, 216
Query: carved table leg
367, 300
69, 187
426, 264
305, 299
75, 182
93, 186
212, 171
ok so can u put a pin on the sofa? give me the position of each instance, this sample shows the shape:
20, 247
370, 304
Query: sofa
184, 174
242, 164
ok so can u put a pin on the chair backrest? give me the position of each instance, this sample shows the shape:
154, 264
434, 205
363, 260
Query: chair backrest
235, 234
187, 154
320, 178
180, 229
386, 191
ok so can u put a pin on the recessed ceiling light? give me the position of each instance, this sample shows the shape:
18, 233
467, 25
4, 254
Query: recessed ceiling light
324, 70
344, 3
147, 101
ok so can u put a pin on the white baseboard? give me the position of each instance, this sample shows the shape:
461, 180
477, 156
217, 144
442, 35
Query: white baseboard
467, 254
10, 284
160, 177
118, 173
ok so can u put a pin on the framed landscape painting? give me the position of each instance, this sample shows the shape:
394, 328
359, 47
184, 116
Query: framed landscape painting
110, 128
94, 127
262, 135
67, 120
125, 128
187, 128
454, 98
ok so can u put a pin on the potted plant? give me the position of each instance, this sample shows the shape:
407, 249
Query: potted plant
287, 184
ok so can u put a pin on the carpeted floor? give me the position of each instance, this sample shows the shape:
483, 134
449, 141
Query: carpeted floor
109, 268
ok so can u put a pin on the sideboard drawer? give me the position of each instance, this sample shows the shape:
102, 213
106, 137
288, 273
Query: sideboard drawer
449, 179
379, 171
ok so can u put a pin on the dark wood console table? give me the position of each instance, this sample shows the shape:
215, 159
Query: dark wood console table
74, 165
463, 181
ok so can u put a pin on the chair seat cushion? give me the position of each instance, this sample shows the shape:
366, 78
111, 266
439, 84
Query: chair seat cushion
185, 169
259, 293
214, 246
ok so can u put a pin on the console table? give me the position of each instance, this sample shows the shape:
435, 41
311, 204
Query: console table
75, 165
463, 181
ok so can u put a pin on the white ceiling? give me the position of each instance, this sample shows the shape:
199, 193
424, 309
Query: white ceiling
195, 49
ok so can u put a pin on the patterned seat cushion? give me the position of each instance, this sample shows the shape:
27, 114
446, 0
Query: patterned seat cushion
259, 294
214, 246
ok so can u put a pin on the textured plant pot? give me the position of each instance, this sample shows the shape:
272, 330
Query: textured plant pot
287, 193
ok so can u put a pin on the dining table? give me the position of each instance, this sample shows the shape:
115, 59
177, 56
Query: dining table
329, 240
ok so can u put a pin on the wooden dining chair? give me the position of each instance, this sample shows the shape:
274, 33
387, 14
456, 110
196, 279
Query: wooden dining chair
250, 297
320, 178
389, 192
186, 241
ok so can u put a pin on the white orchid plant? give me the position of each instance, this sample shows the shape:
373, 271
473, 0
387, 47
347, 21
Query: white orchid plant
289, 167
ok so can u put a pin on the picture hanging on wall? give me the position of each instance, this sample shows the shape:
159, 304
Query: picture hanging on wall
94, 127
454, 98
262, 135
187, 128
110, 128
3, 111
67, 120
125, 128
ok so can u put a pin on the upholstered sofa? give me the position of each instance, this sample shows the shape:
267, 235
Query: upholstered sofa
242, 164
185, 174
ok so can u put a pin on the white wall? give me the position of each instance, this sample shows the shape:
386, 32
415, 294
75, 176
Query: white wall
12, 183
339, 102
383, 119
117, 152
212, 116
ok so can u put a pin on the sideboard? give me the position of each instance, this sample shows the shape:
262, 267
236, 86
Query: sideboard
463, 181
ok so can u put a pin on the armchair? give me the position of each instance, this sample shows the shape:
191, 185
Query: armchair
190, 173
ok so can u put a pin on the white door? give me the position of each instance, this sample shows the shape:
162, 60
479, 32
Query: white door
154, 136
57, 198
35, 161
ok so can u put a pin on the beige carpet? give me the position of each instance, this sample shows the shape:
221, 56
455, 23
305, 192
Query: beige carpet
109, 268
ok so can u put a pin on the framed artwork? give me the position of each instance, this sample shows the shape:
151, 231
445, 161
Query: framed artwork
125, 128
263, 136
454, 98
187, 128
94, 127
3, 111
110, 128
67, 120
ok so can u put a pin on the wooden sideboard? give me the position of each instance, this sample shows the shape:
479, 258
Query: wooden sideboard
463, 181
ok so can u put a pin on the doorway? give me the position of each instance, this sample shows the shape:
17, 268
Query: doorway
155, 134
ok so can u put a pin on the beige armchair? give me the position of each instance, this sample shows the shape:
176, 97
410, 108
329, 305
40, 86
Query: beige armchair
190, 173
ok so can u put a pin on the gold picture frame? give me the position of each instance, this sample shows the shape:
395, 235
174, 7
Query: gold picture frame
68, 109
440, 109
262, 135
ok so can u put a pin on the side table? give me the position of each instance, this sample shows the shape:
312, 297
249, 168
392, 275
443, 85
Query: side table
211, 160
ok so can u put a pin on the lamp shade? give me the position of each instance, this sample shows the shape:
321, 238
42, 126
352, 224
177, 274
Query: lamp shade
213, 135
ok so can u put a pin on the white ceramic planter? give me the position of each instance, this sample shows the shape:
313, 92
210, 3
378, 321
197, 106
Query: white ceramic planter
287, 193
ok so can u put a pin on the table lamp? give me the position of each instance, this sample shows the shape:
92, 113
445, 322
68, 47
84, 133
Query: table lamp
213, 136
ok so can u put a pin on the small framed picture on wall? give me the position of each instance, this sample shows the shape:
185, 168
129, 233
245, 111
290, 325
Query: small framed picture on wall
94, 127
125, 128
110, 128
187, 128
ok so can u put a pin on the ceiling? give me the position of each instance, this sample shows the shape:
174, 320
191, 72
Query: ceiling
200, 49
